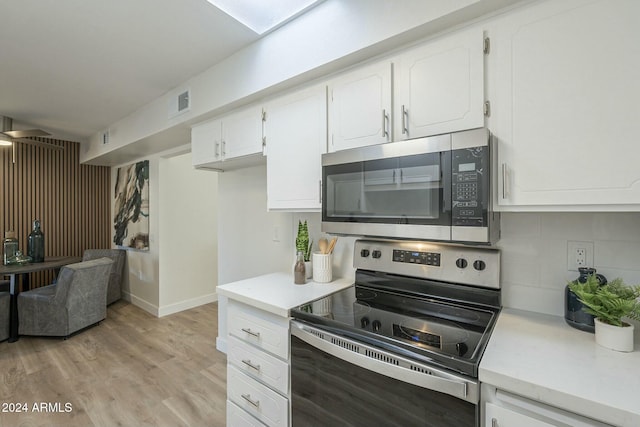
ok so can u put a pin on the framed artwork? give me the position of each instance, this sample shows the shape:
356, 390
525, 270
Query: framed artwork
131, 206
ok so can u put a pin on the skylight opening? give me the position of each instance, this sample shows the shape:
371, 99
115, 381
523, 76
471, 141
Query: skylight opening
262, 16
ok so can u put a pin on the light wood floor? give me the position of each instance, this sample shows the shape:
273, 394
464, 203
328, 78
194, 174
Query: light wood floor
133, 369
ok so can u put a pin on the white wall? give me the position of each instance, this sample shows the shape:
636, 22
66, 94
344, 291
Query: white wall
141, 286
331, 36
252, 241
188, 264
161, 280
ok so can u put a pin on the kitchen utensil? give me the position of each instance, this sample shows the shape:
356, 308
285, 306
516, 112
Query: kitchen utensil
332, 245
323, 245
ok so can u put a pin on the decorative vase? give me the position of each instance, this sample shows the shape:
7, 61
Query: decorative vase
618, 338
574, 315
35, 243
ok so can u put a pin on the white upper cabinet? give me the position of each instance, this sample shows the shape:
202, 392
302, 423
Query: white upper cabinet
565, 91
229, 142
296, 138
439, 86
206, 141
360, 107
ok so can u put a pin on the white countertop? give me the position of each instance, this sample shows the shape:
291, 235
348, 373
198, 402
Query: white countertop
540, 357
276, 292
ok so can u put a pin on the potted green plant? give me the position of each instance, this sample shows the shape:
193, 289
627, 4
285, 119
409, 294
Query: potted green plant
303, 244
610, 304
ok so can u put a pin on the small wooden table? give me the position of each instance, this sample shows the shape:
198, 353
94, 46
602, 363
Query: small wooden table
50, 263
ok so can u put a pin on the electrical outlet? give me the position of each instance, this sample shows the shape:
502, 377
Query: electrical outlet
579, 254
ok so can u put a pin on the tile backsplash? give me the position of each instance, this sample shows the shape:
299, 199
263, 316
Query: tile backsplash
534, 253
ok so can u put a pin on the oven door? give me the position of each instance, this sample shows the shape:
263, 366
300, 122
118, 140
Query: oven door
400, 189
336, 381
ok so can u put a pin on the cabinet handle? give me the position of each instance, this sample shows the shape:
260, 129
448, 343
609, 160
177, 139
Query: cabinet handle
250, 332
217, 153
251, 365
405, 119
385, 128
247, 397
494, 422
505, 176
224, 149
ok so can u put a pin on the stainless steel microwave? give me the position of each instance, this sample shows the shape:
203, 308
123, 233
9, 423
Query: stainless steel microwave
433, 188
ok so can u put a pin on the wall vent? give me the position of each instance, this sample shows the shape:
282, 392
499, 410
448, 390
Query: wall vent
105, 137
180, 103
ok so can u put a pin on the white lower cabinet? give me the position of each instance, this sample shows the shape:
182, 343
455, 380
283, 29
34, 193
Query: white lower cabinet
257, 399
257, 367
264, 367
237, 417
497, 416
504, 409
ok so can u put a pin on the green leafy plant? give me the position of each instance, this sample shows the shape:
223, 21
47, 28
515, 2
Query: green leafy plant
302, 240
610, 302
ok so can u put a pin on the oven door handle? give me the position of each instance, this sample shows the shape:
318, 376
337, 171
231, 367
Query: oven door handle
387, 364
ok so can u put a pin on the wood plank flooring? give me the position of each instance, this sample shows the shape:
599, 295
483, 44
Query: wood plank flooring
133, 369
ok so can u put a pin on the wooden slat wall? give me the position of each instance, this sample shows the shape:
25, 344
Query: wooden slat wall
72, 201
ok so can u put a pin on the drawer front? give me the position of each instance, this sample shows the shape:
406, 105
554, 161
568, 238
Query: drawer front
257, 399
236, 417
258, 364
262, 329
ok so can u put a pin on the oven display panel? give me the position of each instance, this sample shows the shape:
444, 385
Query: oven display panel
412, 257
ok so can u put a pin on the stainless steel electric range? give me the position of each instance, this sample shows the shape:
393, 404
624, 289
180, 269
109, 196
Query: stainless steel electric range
403, 345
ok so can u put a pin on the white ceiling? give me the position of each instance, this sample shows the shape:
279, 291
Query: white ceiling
73, 67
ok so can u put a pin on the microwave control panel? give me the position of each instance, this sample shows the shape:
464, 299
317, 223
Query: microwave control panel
469, 186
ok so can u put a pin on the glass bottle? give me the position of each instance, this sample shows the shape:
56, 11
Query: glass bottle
35, 243
299, 273
9, 247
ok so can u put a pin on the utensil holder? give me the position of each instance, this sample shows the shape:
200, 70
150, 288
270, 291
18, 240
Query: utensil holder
322, 268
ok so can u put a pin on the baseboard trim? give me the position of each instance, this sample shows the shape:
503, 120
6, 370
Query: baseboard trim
139, 302
221, 345
187, 304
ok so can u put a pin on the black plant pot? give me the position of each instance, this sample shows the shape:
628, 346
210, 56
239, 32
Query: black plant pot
574, 314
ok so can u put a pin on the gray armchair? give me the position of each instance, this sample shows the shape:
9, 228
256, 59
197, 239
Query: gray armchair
76, 301
5, 299
114, 292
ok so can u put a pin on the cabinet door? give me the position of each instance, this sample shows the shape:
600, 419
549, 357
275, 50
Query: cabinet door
564, 83
498, 416
296, 137
360, 107
206, 142
242, 133
440, 86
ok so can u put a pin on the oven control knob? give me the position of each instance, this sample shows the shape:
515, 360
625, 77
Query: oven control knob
479, 265
376, 254
376, 325
364, 253
461, 263
364, 322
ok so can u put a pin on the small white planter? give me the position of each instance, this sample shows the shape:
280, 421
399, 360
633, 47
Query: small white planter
308, 266
614, 337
